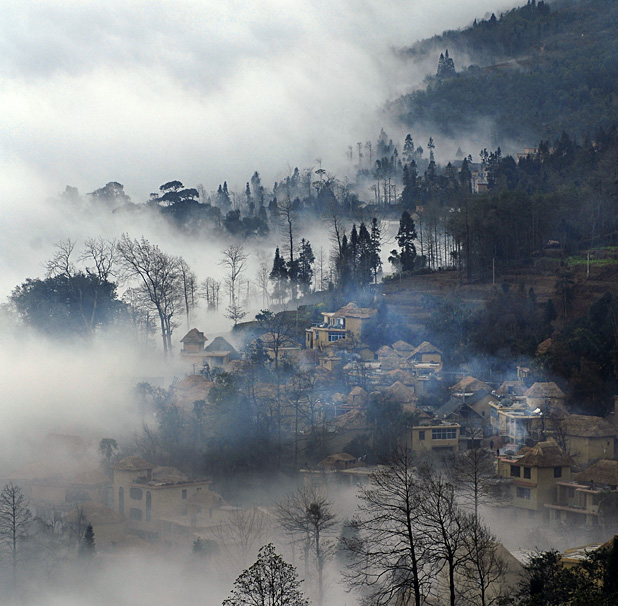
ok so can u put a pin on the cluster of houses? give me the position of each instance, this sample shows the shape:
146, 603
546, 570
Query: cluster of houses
558, 466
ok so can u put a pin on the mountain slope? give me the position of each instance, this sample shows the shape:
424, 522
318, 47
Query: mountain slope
534, 72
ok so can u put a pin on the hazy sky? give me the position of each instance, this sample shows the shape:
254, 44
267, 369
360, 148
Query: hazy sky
144, 92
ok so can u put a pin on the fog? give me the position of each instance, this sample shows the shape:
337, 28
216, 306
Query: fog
142, 93
200, 91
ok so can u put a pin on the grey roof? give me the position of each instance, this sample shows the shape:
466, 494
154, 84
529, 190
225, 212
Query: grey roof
220, 345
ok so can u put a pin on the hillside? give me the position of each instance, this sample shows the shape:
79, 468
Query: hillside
532, 73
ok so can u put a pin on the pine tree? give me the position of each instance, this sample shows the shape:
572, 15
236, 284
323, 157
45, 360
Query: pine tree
440, 71
306, 259
364, 274
353, 243
405, 239
408, 148
279, 277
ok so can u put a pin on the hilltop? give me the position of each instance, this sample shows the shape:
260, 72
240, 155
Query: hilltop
530, 73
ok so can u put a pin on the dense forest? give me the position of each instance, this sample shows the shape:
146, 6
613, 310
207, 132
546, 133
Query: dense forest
532, 72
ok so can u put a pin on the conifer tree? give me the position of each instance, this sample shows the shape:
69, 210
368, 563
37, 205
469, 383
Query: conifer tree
405, 239
305, 261
279, 277
408, 148
364, 274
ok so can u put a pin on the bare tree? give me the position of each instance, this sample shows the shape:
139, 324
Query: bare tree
307, 515
103, 254
390, 554
159, 277
235, 262
263, 280
189, 286
481, 580
303, 395
15, 522
60, 264
446, 526
473, 472
241, 533
210, 291
287, 215
277, 331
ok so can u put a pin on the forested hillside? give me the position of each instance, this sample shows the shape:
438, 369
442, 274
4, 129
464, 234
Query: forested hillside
532, 72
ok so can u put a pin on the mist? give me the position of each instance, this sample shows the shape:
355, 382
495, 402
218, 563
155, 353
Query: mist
142, 93
203, 92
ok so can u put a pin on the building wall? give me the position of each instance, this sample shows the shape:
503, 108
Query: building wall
425, 438
587, 450
533, 492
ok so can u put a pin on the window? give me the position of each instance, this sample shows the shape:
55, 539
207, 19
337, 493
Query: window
557, 472
421, 435
184, 493
515, 471
335, 336
136, 493
135, 514
527, 473
444, 433
523, 493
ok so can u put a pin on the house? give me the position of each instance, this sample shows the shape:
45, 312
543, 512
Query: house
519, 423
469, 385
280, 347
433, 436
577, 501
219, 353
534, 473
588, 438
514, 390
148, 496
543, 394
346, 323
193, 346
461, 410
403, 348
426, 359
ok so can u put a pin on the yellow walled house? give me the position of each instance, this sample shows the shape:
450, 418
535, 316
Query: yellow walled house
219, 353
426, 359
193, 346
588, 438
148, 496
543, 395
534, 474
577, 501
435, 436
346, 323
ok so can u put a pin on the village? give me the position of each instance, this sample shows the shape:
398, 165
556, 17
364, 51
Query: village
551, 472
